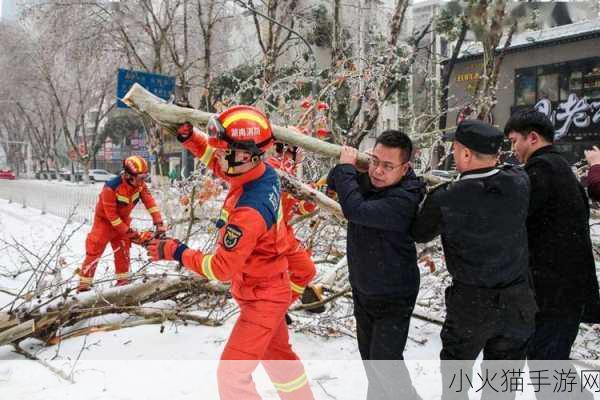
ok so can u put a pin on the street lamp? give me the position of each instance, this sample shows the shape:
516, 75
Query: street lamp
313, 64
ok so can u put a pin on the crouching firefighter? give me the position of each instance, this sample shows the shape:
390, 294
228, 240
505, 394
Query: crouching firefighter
251, 252
112, 221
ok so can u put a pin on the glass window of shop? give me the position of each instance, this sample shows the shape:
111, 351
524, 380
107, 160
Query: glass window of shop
556, 82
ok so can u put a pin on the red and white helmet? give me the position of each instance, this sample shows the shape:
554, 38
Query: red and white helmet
135, 165
241, 128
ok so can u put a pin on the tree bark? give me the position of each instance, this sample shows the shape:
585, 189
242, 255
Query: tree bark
43, 323
448, 73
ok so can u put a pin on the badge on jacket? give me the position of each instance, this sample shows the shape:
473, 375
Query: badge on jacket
232, 236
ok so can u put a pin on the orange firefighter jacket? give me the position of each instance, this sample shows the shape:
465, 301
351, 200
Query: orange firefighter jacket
117, 200
252, 241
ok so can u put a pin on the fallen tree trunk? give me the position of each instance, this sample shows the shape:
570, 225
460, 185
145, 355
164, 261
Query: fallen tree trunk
301, 191
17, 332
44, 322
170, 116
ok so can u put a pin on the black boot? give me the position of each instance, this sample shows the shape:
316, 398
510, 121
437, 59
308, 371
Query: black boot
313, 294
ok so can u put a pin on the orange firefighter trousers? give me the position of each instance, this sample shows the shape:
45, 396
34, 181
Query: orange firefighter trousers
261, 335
101, 234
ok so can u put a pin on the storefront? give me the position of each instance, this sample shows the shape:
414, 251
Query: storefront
569, 93
556, 70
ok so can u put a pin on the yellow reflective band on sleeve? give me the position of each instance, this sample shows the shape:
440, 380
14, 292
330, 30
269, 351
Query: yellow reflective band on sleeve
297, 288
206, 157
124, 275
207, 267
224, 215
135, 196
245, 115
279, 214
116, 222
153, 209
124, 199
291, 386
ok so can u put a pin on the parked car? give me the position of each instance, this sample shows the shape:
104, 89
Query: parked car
49, 174
65, 173
100, 175
7, 174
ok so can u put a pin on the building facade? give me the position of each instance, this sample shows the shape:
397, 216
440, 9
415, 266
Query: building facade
556, 70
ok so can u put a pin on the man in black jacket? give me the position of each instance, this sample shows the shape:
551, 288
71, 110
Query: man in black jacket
481, 218
560, 250
380, 207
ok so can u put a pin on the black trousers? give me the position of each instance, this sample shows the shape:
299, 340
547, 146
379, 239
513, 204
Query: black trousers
555, 333
498, 321
382, 330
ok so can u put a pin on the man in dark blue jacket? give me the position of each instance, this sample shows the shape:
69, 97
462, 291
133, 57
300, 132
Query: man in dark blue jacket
380, 207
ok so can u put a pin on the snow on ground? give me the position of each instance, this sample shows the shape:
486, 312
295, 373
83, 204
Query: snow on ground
141, 362
179, 363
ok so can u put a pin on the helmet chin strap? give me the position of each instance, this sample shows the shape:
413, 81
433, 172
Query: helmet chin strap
232, 163
129, 179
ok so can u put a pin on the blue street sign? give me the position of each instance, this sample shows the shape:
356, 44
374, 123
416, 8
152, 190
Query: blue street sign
161, 85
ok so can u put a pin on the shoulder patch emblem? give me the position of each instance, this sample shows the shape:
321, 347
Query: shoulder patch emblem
232, 236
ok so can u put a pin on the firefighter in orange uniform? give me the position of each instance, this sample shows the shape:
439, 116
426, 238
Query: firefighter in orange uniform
251, 253
112, 221
300, 265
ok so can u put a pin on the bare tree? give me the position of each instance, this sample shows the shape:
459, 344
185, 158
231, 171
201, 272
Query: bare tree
25, 115
452, 21
78, 82
487, 20
13, 130
62, 79
272, 37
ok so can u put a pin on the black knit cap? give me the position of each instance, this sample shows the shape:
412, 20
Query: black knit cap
477, 136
